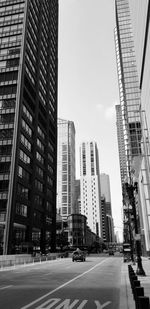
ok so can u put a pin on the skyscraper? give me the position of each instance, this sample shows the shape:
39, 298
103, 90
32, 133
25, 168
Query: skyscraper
121, 144
140, 17
105, 190
108, 226
28, 123
90, 186
132, 78
66, 168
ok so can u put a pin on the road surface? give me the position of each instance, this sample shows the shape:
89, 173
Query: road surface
63, 284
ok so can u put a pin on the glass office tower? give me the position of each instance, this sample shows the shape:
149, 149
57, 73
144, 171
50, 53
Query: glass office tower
128, 83
28, 124
129, 101
66, 168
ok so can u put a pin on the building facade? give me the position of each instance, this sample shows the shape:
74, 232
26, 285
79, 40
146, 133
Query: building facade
140, 17
105, 191
77, 197
106, 196
28, 123
77, 230
90, 186
121, 144
66, 168
135, 131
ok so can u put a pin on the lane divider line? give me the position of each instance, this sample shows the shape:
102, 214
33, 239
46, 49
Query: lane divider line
5, 287
63, 285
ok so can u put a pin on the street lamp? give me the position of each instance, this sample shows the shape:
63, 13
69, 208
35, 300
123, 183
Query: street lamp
131, 190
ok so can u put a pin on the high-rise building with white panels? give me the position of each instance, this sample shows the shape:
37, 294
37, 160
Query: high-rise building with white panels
90, 186
65, 168
28, 124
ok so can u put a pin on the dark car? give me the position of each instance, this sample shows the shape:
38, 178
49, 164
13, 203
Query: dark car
78, 255
111, 252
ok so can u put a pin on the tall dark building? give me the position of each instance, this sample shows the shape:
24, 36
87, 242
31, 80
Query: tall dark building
28, 123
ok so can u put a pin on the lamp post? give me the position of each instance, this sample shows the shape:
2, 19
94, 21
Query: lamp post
130, 189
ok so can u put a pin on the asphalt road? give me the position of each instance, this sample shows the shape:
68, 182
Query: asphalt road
62, 284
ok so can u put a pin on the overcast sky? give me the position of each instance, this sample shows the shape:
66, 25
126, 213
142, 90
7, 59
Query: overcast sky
88, 85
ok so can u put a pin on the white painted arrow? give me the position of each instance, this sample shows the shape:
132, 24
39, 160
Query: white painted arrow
99, 306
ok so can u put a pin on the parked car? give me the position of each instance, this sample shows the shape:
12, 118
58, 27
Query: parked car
78, 255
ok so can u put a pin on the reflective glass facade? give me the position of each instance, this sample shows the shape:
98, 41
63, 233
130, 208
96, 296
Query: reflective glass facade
128, 83
66, 168
140, 16
121, 144
28, 123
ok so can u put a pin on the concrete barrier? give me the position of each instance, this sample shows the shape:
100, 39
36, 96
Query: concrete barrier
20, 259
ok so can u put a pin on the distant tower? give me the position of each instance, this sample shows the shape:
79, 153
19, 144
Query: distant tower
121, 144
106, 194
90, 186
77, 198
105, 190
65, 168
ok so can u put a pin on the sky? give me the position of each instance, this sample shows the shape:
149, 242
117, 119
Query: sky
88, 85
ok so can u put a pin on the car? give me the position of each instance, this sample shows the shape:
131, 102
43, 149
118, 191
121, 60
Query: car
111, 252
78, 255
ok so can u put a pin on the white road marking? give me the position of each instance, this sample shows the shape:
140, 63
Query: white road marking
63, 285
6, 287
82, 304
64, 304
99, 306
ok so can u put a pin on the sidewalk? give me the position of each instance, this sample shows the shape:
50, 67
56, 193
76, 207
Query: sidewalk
126, 297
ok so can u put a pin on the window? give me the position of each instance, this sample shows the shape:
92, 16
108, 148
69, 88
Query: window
25, 142
26, 127
23, 191
27, 113
39, 171
26, 159
39, 157
40, 144
39, 185
21, 210
22, 173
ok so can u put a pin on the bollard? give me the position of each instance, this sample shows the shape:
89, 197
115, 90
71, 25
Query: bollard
131, 271
130, 268
138, 291
136, 283
143, 302
132, 278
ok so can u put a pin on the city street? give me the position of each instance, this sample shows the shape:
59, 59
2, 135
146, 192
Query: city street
63, 284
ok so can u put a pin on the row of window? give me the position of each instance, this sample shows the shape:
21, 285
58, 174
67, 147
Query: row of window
11, 7
8, 76
9, 63
6, 118
10, 28
9, 51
